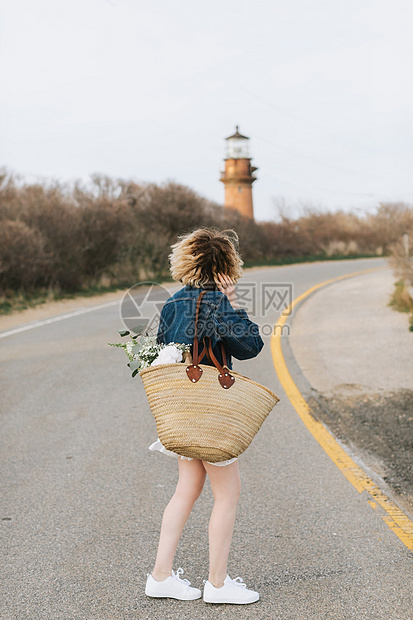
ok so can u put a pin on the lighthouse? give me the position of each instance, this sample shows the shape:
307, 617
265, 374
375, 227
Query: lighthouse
238, 175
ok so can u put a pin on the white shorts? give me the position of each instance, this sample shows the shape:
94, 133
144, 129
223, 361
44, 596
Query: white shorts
157, 446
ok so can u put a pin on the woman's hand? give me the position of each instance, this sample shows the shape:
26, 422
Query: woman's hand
226, 286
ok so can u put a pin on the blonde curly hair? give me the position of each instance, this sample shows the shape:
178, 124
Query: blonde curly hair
199, 256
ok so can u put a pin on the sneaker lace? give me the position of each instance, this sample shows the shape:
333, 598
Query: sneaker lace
178, 574
238, 581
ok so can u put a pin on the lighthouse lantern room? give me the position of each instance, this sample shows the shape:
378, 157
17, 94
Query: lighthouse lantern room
237, 146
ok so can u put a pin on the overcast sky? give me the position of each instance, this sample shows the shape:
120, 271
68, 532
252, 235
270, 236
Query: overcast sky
149, 90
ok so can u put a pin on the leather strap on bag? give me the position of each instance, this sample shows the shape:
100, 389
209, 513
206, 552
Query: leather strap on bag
224, 377
194, 371
195, 356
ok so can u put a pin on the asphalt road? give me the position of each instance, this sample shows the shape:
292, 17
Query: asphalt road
83, 497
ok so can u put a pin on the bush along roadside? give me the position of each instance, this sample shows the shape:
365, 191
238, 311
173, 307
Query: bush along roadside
21, 300
402, 300
62, 240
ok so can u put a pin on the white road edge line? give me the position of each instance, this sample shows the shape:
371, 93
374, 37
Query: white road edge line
55, 319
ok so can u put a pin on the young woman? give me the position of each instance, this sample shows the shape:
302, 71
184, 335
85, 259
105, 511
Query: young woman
205, 259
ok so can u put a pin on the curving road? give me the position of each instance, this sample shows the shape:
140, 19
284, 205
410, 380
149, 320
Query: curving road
83, 497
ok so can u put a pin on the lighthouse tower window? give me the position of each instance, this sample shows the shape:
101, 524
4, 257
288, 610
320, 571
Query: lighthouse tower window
240, 189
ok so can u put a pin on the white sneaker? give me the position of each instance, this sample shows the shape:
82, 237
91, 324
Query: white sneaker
172, 587
233, 591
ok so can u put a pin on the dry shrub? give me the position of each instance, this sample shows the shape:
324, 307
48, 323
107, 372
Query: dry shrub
397, 219
22, 256
161, 212
316, 233
389, 223
403, 264
118, 232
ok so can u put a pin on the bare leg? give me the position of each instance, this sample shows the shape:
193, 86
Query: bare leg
190, 484
226, 487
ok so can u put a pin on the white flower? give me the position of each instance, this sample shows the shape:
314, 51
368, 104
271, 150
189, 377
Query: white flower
168, 355
129, 347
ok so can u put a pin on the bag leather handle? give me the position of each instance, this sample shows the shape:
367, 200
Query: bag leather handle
224, 377
194, 371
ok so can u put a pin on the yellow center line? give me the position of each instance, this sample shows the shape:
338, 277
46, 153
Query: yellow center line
397, 521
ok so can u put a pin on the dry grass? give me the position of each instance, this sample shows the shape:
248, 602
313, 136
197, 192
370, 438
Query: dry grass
402, 263
402, 300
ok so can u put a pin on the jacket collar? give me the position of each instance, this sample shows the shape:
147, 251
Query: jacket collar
210, 286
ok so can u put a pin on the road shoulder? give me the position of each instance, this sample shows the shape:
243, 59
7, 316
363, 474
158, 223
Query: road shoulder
357, 355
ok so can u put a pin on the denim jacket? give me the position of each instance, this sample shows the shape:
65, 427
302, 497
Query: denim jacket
217, 319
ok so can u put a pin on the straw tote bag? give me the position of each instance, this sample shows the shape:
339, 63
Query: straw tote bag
205, 412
